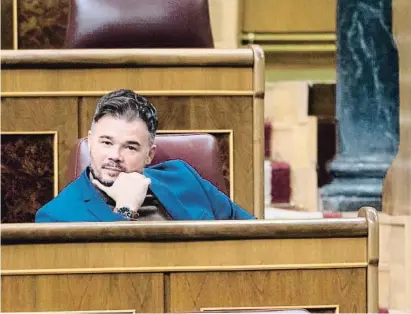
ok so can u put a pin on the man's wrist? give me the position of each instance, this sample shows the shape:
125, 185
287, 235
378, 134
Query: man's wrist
126, 212
127, 204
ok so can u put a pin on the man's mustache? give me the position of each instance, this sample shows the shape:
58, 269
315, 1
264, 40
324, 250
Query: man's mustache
113, 165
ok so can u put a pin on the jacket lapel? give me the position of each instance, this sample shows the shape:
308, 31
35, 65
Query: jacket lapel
94, 203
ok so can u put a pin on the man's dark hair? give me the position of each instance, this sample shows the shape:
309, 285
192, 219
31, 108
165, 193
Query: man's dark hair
126, 104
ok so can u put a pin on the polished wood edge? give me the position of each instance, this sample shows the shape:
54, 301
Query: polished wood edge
372, 289
294, 37
128, 311
15, 25
231, 164
169, 93
370, 214
56, 163
57, 271
291, 43
373, 257
55, 152
259, 69
181, 230
193, 131
298, 48
127, 57
258, 130
277, 307
29, 132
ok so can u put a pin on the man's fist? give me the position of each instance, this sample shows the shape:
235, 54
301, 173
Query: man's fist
128, 190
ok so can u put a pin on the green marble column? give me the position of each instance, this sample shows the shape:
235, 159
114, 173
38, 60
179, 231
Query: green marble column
367, 105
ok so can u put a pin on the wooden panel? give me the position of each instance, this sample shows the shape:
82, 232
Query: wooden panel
204, 113
289, 16
140, 79
298, 37
142, 292
225, 147
44, 114
343, 287
297, 252
304, 66
301, 61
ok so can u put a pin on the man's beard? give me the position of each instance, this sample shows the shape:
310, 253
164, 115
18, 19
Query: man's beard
99, 179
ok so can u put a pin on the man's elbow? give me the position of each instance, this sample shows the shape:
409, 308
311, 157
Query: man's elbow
43, 217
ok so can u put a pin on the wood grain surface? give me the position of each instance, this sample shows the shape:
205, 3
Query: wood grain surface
345, 287
44, 114
142, 292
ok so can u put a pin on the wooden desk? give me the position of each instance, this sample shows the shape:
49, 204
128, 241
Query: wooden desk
298, 37
327, 264
52, 94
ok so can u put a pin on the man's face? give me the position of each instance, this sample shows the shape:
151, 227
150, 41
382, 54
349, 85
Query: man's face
117, 145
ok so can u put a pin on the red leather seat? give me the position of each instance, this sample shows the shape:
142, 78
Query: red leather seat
199, 150
139, 24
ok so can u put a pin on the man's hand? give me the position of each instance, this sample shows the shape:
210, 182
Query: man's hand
128, 190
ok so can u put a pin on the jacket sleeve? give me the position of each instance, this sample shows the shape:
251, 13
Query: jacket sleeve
223, 207
45, 215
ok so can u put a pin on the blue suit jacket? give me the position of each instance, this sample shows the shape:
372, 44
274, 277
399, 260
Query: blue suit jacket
181, 190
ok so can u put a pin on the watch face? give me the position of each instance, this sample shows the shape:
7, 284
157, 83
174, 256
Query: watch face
125, 212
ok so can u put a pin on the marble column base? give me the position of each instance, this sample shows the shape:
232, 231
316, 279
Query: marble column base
358, 182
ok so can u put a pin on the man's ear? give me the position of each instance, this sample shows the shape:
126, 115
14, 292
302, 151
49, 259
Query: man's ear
151, 154
89, 141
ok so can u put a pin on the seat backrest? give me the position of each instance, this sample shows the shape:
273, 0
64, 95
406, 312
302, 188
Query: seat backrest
139, 24
199, 150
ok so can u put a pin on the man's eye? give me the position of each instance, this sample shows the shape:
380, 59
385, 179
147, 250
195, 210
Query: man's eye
106, 142
131, 148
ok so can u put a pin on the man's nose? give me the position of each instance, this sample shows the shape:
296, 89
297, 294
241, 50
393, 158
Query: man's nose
115, 154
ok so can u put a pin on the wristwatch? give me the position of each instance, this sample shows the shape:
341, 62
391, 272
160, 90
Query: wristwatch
127, 212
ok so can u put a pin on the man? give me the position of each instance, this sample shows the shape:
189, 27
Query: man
117, 185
